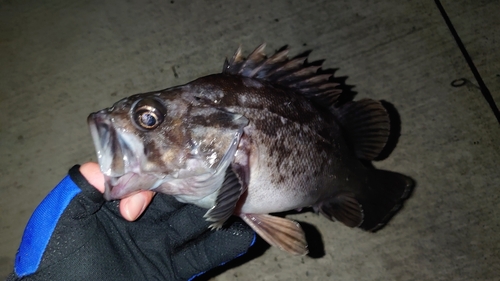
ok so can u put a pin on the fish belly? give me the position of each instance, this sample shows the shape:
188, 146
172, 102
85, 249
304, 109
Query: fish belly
263, 196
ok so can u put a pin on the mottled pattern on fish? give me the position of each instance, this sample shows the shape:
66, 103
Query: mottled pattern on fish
268, 134
293, 146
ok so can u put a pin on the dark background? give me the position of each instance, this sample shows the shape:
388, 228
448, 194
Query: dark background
61, 60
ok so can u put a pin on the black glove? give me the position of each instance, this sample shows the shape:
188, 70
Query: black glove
74, 234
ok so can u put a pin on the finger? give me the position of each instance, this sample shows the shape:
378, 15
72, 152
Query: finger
214, 249
186, 223
133, 206
93, 175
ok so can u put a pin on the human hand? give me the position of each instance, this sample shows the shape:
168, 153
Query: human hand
75, 234
130, 207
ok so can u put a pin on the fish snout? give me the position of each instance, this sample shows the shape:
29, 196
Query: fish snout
100, 116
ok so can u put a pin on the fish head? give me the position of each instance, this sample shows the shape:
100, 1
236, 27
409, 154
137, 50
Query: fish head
168, 141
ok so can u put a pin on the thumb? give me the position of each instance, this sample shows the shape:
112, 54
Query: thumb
130, 207
93, 175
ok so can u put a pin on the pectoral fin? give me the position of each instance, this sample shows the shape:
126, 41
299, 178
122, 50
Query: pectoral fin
228, 196
283, 233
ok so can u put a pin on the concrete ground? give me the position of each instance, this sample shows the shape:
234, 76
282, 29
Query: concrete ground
61, 60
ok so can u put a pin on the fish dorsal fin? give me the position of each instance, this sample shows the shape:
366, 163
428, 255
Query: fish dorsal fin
366, 121
307, 79
367, 125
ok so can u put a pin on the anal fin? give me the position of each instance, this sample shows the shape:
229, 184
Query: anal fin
226, 201
282, 233
374, 205
345, 208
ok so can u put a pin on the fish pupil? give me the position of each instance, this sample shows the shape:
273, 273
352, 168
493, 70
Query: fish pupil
148, 119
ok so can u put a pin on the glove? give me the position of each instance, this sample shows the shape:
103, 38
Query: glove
74, 234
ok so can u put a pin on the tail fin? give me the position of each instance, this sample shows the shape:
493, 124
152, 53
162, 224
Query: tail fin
385, 196
371, 208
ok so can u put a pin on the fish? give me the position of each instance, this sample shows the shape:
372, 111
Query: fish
268, 134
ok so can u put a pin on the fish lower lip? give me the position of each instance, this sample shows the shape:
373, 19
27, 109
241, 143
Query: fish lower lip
127, 184
113, 186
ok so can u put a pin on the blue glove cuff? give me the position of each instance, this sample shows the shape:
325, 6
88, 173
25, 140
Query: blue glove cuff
41, 226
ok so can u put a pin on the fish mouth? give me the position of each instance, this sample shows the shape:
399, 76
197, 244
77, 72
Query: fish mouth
128, 184
116, 158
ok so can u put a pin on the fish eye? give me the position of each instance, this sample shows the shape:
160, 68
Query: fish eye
147, 117
148, 114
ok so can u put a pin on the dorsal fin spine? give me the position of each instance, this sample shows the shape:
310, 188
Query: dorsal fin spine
297, 74
366, 121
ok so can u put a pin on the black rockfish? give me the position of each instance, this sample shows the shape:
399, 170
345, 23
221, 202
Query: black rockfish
268, 134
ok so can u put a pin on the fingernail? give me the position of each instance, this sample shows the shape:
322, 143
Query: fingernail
134, 208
